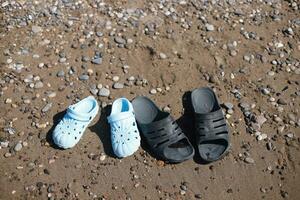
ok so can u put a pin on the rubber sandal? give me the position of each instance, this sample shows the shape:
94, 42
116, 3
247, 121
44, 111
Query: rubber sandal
212, 135
163, 135
70, 129
125, 136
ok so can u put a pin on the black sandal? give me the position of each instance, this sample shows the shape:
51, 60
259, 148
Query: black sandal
212, 135
162, 133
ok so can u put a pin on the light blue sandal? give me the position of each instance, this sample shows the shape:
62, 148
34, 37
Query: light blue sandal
70, 129
125, 136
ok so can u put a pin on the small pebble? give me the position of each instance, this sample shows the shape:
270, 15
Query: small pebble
4, 144
249, 160
292, 117
290, 135
97, 61
162, 56
167, 109
36, 29
9, 60
102, 157
7, 155
228, 105
118, 85
18, 147
84, 77
116, 78
104, 92
153, 91
39, 85
262, 137
8, 101
281, 101
52, 94
60, 73
209, 27
120, 40
47, 107
265, 91
230, 111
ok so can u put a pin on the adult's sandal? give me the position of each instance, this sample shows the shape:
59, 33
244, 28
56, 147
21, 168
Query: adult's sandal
212, 135
125, 137
70, 129
163, 135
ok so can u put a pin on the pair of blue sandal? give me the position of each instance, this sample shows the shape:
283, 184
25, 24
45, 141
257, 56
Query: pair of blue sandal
163, 135
159, 128
125, 136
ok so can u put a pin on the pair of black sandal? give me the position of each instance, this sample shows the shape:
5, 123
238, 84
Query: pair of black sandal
166, 139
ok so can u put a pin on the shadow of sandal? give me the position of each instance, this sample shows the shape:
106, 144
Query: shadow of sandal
56, 119
186, 123
102, 129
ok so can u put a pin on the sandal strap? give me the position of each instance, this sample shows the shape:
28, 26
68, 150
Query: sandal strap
162, 133
211, 126
81, 116
207, 138
120, 116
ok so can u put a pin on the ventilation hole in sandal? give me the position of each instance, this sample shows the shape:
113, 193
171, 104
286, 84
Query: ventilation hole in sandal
153, 138
123, 143
135, 131
75, 138
220, 126
180, 133
74, 129
128, 139
220, 133
119, 127
121, 135
200, 126
160, 129
176, 128
136, 137
218, 120
158, 144
69, 133
133, 124
82, 126
68, 126
75, 123
90, 118
79, 132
